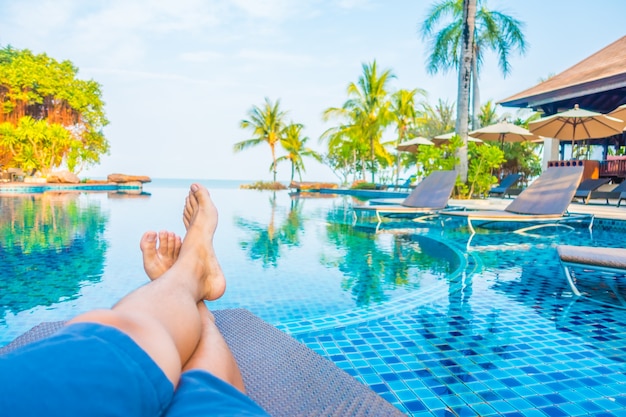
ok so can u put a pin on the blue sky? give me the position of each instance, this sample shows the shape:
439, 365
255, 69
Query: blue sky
178, 76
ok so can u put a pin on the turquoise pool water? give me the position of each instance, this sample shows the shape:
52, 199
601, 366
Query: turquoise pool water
434, 326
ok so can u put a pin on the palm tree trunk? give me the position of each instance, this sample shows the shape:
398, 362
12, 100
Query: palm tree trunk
475, 94
372, 158
465, 75
274, 159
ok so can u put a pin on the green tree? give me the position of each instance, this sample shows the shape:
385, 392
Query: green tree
403, 113
483, 161
367, 112
488, 115
295, 146
435, 120
493, 31
267, 124
48, 117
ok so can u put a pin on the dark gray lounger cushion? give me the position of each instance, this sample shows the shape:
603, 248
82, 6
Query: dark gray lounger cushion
550, 194
281, 374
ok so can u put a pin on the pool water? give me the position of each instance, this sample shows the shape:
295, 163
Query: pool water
432, 325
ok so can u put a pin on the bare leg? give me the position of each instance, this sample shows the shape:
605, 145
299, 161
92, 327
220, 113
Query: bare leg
162, 316
212, 353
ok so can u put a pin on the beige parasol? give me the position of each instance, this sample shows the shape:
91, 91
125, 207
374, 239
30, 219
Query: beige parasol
439, 139
619, 113
577, 124
413, 144
503, 132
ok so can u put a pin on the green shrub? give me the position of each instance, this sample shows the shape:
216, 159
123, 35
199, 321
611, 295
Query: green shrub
263, 185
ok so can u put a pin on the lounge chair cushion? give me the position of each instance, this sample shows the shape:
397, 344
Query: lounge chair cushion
593, 256
433, 191
550, 193
281, 374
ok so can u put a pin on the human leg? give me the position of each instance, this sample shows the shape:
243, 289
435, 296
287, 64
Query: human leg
162, 316
212, 354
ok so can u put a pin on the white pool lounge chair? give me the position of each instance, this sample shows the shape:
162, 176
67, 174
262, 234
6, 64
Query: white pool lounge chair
282, 375
428, 197
596, 261
544, 202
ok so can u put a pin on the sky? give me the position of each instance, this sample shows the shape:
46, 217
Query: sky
178, 76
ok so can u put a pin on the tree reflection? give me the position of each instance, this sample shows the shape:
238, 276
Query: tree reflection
50, 244
374, 265
266, 240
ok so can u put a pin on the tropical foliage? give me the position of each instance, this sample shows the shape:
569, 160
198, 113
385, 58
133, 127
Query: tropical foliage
294, 144
267, 124
48, 117
404, 114
493, 31
459, 44
365, 115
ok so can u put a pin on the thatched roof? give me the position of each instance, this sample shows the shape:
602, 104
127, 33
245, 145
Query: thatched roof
597, 83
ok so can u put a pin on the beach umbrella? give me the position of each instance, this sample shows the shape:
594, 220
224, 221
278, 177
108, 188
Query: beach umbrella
577, 124
413, 144
619, 113
503, 132
447, 136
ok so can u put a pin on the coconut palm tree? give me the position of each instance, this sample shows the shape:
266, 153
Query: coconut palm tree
493, 31
295, 145
267, 124
435, 120
367, 110
403, 114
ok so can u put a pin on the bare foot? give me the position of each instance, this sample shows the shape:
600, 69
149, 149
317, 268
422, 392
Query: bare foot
200, 218
159, 256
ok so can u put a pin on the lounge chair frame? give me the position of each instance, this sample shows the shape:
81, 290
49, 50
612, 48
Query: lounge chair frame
570, 265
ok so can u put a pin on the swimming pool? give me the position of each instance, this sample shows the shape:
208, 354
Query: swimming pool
435, 327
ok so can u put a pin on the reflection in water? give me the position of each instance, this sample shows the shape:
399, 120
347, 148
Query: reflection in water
374, 263
49, 244
267, 239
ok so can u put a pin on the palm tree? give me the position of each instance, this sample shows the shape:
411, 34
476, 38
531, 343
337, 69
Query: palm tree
295, 145
404, 114
465, 72
367, 110
435, 120
267, 126
493, 31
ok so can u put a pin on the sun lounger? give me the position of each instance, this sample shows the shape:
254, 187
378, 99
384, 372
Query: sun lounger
618, 193
406, 185
429, 196
544, 202
281, 374
588, 186
596, 261
505, 185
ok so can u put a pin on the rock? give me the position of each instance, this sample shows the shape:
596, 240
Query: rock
122, 178
62, 177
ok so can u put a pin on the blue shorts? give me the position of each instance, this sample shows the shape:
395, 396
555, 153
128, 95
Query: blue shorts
89, 369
